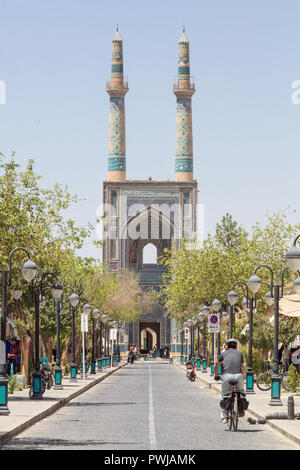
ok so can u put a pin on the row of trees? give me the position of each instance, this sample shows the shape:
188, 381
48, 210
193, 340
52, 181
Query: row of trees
194, 277
33, 217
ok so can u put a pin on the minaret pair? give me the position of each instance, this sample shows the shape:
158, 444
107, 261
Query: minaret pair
183, 90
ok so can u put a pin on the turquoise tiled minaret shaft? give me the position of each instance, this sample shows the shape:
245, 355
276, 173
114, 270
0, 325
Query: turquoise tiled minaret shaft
184, 90
117, 89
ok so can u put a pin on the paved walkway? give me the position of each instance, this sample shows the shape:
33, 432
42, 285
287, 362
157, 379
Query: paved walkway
24, 411
259, 406
146, 405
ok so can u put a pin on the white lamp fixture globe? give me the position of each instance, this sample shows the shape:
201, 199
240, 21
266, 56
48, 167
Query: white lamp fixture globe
269, 299
42, 301
297, 285
232, 297
96, 313
74, 299
86, 309
104, 318
17, 294
205, 310
216, 305
29, 270
254, 283
244, 304
57, 290
292, 258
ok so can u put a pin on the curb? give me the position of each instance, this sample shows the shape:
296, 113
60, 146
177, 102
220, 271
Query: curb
7, 436
250, 411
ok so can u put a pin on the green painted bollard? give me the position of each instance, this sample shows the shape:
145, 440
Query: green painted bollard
181, 359
99, 364
198, 363
212, 368
204, 366
220, 371
104, 362
108, 362
93, 367
193, 362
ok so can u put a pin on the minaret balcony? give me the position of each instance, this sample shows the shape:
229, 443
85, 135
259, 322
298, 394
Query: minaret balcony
184, 82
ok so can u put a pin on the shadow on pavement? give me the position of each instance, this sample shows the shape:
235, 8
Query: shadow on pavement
83, 403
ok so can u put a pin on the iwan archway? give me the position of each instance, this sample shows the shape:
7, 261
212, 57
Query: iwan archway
149, 336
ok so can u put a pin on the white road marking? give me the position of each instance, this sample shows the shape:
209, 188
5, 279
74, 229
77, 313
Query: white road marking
152, 434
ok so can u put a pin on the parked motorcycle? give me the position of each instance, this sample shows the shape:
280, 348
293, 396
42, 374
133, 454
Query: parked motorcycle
190, 371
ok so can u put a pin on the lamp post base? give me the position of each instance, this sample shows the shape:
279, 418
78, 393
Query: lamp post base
58, 379
37, 386
4, 410
212, 369
73, 376
93, 367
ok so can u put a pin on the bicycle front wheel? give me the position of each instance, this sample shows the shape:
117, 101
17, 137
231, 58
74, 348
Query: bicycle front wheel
284, 380
263, 382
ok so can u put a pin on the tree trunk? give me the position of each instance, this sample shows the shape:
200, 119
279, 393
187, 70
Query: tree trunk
24, 357
48, 345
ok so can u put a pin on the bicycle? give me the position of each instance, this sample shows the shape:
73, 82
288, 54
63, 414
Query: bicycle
263, 380
236, 404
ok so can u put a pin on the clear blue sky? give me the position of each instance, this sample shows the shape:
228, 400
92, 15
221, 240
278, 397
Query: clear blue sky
55, 58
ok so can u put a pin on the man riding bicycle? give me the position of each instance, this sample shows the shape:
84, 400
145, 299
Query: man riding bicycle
233, 369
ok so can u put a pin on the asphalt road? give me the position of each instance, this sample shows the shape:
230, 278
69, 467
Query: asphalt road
145, 406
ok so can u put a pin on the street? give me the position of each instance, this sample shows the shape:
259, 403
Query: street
146, 405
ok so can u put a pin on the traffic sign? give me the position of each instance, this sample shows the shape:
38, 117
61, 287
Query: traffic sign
84, 323
214, 323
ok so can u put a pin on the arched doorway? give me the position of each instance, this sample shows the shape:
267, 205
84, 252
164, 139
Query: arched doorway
149, 336
148, 340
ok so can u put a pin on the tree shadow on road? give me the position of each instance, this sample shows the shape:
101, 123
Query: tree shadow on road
36, 443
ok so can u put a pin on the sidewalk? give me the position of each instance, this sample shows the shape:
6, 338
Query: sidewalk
259, 405
25, 412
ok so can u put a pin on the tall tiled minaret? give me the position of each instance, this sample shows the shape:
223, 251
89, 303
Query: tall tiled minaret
184, 90
117, 89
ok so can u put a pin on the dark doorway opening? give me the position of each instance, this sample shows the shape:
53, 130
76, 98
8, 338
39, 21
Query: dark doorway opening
149, 336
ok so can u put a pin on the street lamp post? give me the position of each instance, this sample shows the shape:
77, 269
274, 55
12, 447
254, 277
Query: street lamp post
202, 317
217, 305
103, 321
28, 270
74, 300
95, 316
39, 301
56, 291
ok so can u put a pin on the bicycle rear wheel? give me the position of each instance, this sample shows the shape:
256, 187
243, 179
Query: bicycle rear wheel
235, 414
263, 382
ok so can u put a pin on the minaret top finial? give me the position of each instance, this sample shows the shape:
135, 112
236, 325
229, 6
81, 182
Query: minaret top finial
117, 37
183, 38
